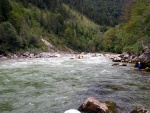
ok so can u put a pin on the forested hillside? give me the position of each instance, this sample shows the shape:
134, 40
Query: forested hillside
130, 18
102, 12
121, 25
135, 28
24, 22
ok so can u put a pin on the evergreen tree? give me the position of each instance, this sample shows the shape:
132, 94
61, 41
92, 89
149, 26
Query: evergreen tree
5, 8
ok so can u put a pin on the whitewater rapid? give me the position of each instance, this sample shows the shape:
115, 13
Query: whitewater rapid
53, 85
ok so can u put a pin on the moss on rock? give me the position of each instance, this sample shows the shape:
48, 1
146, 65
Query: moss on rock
111, 106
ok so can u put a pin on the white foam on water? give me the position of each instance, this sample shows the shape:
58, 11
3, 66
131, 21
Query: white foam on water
52, 61
29, 62
105, 71
94, 60
31, 104
58, 84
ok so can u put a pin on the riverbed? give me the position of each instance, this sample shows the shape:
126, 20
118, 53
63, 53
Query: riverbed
53, 85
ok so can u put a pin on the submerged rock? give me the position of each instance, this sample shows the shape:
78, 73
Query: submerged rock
147, 69
115, 64
122, 64
119, 64
139, 110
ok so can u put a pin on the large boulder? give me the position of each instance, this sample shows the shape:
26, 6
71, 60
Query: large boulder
92, 105
145, 57
119, 64
134, 58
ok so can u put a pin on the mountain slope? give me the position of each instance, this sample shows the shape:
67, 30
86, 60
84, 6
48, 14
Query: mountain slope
24, 22
29, 21
103, 12
128, 35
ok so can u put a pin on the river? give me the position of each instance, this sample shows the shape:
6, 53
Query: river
53, 85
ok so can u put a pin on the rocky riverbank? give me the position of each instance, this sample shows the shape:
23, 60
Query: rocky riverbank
124, 58
47, 55
31, 55
119, 59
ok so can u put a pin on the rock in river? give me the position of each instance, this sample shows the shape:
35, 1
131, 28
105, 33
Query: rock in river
92, 105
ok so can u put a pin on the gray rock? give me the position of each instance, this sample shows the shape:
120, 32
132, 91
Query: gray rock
145, 57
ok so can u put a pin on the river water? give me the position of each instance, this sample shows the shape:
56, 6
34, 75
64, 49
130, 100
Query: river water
53, 85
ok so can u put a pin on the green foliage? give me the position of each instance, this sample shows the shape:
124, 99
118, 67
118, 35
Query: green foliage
52, 20
5, 8
9, 40
27, 21
136, 27
128, 36
103, 12
16, 16
109, 40
68, 33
